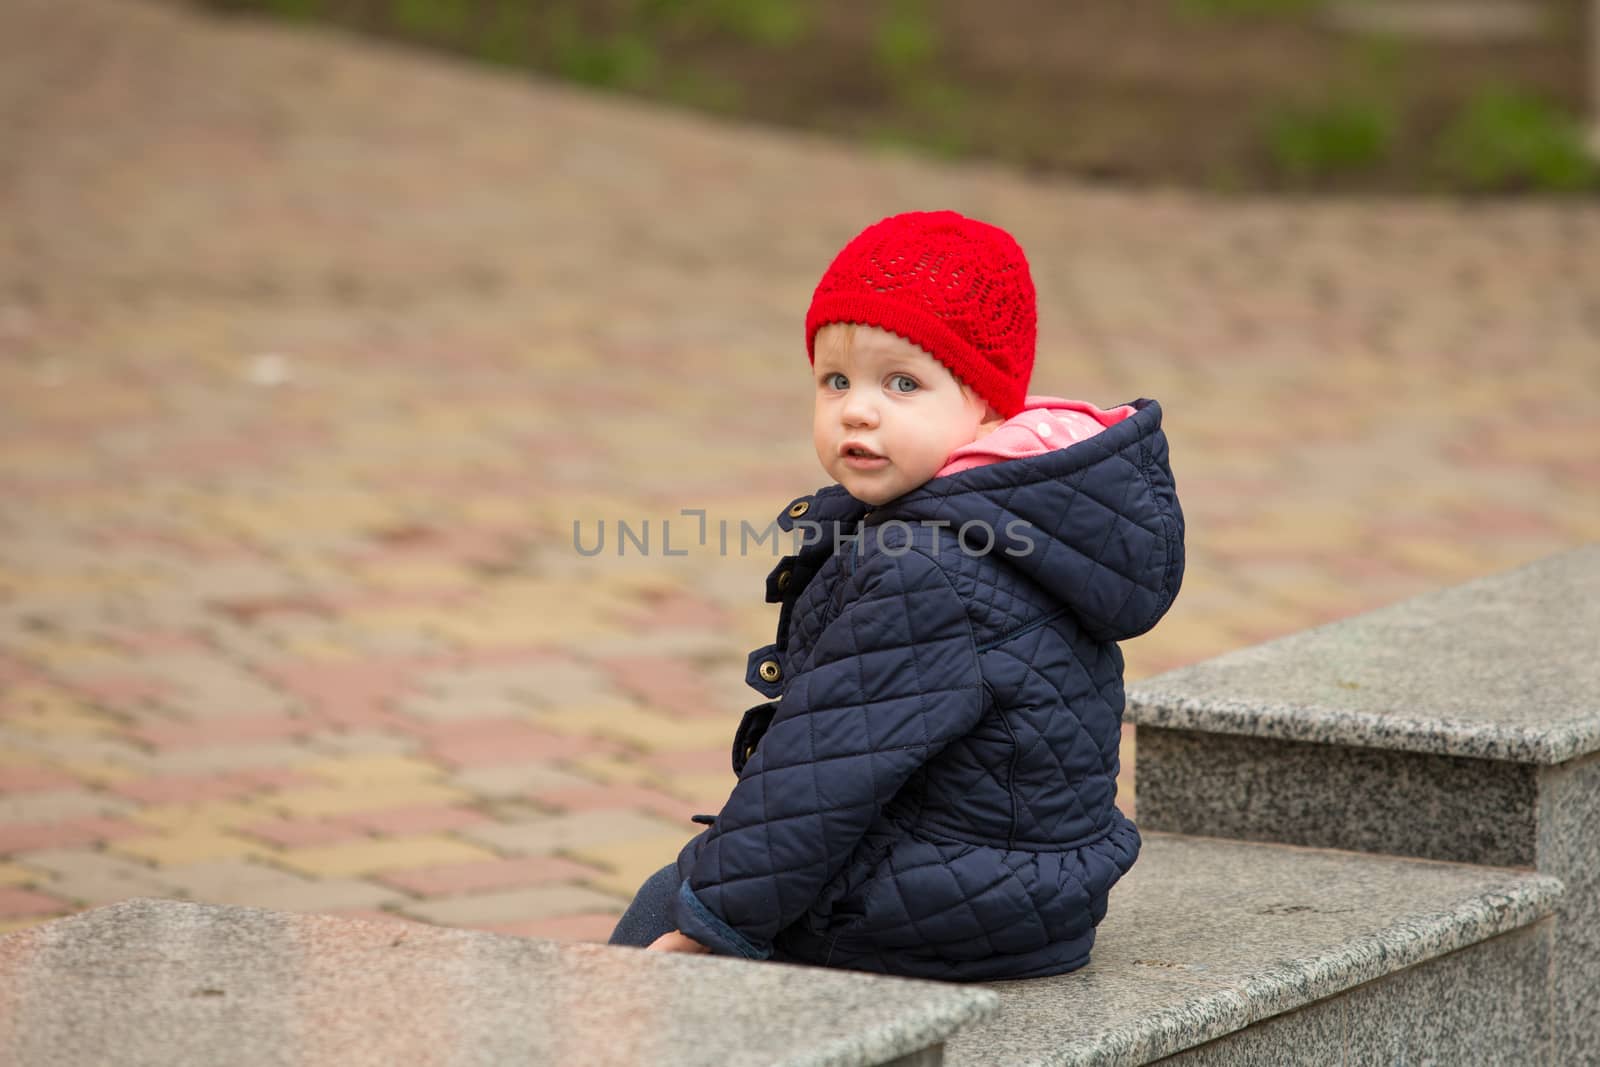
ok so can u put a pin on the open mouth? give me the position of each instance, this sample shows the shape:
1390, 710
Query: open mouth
860, 458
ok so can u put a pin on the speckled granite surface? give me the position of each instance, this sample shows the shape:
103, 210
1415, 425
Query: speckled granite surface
1483, 1006
1507, 668
1339, 796
1569, 848
1206, 936
190, 985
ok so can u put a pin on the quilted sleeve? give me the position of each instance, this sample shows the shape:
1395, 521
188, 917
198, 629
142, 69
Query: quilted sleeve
888, 683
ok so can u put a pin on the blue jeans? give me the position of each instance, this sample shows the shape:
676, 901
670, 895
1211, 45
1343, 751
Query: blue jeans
650, 914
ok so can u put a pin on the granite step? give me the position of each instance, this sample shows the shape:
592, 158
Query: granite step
1217, 951
1460, 725
166, 983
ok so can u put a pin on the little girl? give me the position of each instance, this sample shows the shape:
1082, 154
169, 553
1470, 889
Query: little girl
929, 789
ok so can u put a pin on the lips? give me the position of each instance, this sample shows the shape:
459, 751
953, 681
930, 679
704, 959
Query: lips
859, 457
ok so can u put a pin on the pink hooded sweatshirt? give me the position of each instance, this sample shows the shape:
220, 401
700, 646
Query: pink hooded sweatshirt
1043, 424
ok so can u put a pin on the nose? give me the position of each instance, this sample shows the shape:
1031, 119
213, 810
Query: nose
859, 409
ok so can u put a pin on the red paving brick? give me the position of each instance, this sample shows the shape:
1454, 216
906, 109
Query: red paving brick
199, 788
495, 742
33, 779
148, 641
25, 903
666, 682
121, 691
346, 692
486, 876
639, 798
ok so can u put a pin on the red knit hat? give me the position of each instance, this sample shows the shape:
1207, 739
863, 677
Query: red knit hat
954, 286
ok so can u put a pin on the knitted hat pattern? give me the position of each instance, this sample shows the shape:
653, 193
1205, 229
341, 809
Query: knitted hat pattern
956, 287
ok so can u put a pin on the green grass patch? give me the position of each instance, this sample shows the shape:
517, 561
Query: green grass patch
1218, 9
768, 23
1504, 139
1339, 135
430, 19
625, 59
906, 41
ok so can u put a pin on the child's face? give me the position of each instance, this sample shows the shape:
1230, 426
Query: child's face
887, 414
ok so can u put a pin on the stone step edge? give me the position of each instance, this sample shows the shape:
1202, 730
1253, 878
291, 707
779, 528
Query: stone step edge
1210, 1014
1192, 1015
1151, 705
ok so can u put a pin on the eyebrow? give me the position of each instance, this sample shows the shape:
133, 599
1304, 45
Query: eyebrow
895, 361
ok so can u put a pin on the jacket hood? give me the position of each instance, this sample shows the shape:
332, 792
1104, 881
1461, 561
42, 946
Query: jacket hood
1097, 524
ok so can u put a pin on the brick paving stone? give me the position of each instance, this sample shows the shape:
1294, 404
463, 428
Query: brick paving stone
26, 779
365, 768
187, 763
514, 779
91, 877
349, 798
610, 797
25, 903
664, 682
361, 742
701, 793
593, 926
17, 874
715, 760
416, 820
215, 733
650, 731
195, 788
487, 875
295, 833
617, 770
515, 905
186, 846
20, 837
59, 805
562, 833
227, 879
329, 894
209, 814
627, 863
361, 858
480, 744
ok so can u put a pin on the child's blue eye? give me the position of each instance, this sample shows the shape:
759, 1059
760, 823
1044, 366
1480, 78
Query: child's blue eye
902, 383
836, 381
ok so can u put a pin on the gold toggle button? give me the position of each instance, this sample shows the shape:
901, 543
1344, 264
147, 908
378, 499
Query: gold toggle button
799, 508
769, 670
783, 579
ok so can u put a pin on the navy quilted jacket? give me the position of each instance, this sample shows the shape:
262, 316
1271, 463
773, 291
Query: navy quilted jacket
929, 792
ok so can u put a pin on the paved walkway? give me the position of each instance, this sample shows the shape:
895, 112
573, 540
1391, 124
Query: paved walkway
312, 351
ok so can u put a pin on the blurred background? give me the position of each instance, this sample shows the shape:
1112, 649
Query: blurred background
1232, 95
323, 323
